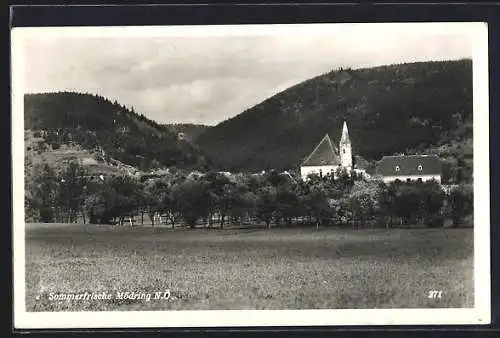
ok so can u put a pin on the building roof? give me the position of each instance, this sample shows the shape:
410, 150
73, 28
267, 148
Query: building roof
406, 165
324, 154
345, 134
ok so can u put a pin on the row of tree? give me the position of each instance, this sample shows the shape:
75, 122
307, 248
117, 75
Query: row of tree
218, 199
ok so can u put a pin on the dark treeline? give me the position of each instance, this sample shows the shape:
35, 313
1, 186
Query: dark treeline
216, 200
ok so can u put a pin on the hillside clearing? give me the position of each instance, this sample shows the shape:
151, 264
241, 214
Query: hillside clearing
58, 158
242, 269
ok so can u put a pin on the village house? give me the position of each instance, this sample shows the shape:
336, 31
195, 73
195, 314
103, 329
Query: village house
410, 168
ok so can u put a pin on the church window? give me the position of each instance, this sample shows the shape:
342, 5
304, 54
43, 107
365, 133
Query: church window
397, 168
419, 167
343, 150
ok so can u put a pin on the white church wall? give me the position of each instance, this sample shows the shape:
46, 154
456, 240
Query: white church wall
323, 169
346, 155
362, 173
389, 179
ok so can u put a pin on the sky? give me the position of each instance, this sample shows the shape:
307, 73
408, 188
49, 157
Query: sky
207, 79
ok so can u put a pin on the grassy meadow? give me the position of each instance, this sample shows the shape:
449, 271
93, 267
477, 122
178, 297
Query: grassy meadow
299, 268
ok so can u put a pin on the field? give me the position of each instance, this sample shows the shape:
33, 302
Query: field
297, 268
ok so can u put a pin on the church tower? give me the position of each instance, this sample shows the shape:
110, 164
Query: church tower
345, 148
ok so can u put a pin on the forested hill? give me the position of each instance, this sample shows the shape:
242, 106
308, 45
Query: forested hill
190, 131
95, 123
388, 109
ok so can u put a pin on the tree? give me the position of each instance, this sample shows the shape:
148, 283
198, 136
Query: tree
127, 192
192, 202
266, 204
100, 202
363, 200
343, 182
158, 198
317, 205
151, 198
276, 179
241, 201
432, 202
72, 188
98, 206
407, 202
124, 196
460, 203
386, 202
165, 196
224, 203
287, 205
415, 201
217, 195
168, 205
41, 192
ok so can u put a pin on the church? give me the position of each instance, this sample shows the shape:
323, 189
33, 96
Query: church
326, 158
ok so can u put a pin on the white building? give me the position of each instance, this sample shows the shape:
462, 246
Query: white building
410, 168
325, 158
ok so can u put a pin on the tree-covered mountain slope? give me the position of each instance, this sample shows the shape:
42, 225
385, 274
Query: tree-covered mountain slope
388, 109
189, 131
107, 129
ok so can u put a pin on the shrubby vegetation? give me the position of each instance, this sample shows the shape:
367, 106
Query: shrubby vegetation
216, 199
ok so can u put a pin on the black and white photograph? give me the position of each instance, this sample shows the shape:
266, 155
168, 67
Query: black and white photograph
251, 175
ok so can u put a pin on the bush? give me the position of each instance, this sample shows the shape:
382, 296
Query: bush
435, 221
460, 203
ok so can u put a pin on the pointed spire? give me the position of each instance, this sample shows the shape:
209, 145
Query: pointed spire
345, 134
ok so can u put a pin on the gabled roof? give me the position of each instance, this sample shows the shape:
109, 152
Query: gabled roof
409, 165
324, 154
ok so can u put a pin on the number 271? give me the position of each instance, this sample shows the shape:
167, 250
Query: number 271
433, 294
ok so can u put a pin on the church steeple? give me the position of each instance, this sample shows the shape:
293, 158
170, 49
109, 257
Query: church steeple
345, 134
345, 148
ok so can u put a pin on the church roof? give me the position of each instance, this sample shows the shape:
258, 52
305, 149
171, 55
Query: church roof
324, 154
407, 165
345, 134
